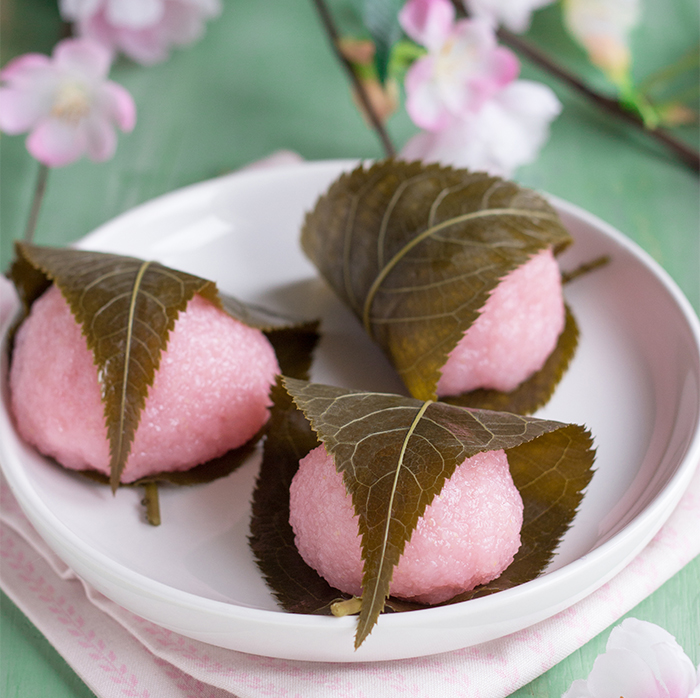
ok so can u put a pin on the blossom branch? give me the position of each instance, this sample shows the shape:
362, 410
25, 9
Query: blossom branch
687, 154
682, 150
360, 90
39, 189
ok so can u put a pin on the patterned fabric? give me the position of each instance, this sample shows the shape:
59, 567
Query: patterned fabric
119, 654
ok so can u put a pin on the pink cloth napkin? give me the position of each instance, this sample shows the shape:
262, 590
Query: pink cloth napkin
120, 654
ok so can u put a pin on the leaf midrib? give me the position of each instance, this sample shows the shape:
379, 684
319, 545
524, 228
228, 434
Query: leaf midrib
125, 375
428, 232
390, 506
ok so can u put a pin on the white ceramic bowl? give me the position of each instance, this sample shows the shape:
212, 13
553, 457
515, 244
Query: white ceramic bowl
635, 382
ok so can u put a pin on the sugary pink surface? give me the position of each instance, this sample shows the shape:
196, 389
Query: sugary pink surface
209, 395
516, 331
467, 536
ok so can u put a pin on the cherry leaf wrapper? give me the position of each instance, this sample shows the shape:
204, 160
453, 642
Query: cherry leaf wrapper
127, 308
415, 251
395, 454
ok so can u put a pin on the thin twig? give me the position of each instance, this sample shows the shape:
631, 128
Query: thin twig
39, 189
689, 156
684, 152
334, 38
585, 268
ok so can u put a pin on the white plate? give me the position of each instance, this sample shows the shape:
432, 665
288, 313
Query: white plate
635, 382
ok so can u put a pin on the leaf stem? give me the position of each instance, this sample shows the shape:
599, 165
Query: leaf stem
346, 607
334, 38
152, 503
39, 189
584, 268
684, 152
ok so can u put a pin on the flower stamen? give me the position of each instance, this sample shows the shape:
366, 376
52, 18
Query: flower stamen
71, 103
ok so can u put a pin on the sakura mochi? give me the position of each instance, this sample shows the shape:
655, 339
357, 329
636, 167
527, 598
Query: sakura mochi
515, 333
210, 394
466, 537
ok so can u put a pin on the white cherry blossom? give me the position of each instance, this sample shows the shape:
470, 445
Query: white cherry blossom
512, 14
602, 27
641, 660
144, 30
507, 132
66, 103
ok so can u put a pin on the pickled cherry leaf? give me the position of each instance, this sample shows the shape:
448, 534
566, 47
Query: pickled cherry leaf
289, 437
415, 250
127, 308
395, 453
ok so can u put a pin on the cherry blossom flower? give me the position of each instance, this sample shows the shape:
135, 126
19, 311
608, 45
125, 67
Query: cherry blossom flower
144, 30
507, 132
463, 68
641, 660
65, 102
512, 14
602, 27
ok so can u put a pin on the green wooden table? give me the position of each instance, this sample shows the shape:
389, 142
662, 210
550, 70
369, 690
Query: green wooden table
263, 79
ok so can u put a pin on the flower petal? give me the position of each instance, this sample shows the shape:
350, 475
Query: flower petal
83, 57
659, 650
73, 10
480, 68
621, 672
513, 14
31, 80
424, 103
20, 110
134, 14
183, 24
506, 133
118, 105
25, 68
100, 139
56, 143
427, 22
207, 8
146, 46
602, 28
674, 670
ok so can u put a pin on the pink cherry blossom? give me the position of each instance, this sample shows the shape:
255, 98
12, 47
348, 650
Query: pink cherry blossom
463, 68
144, 30
641, 660
513, 14
507, 132
65, 102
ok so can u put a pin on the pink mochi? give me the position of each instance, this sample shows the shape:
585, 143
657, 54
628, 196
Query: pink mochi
466, 537
515, 333
210, 394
